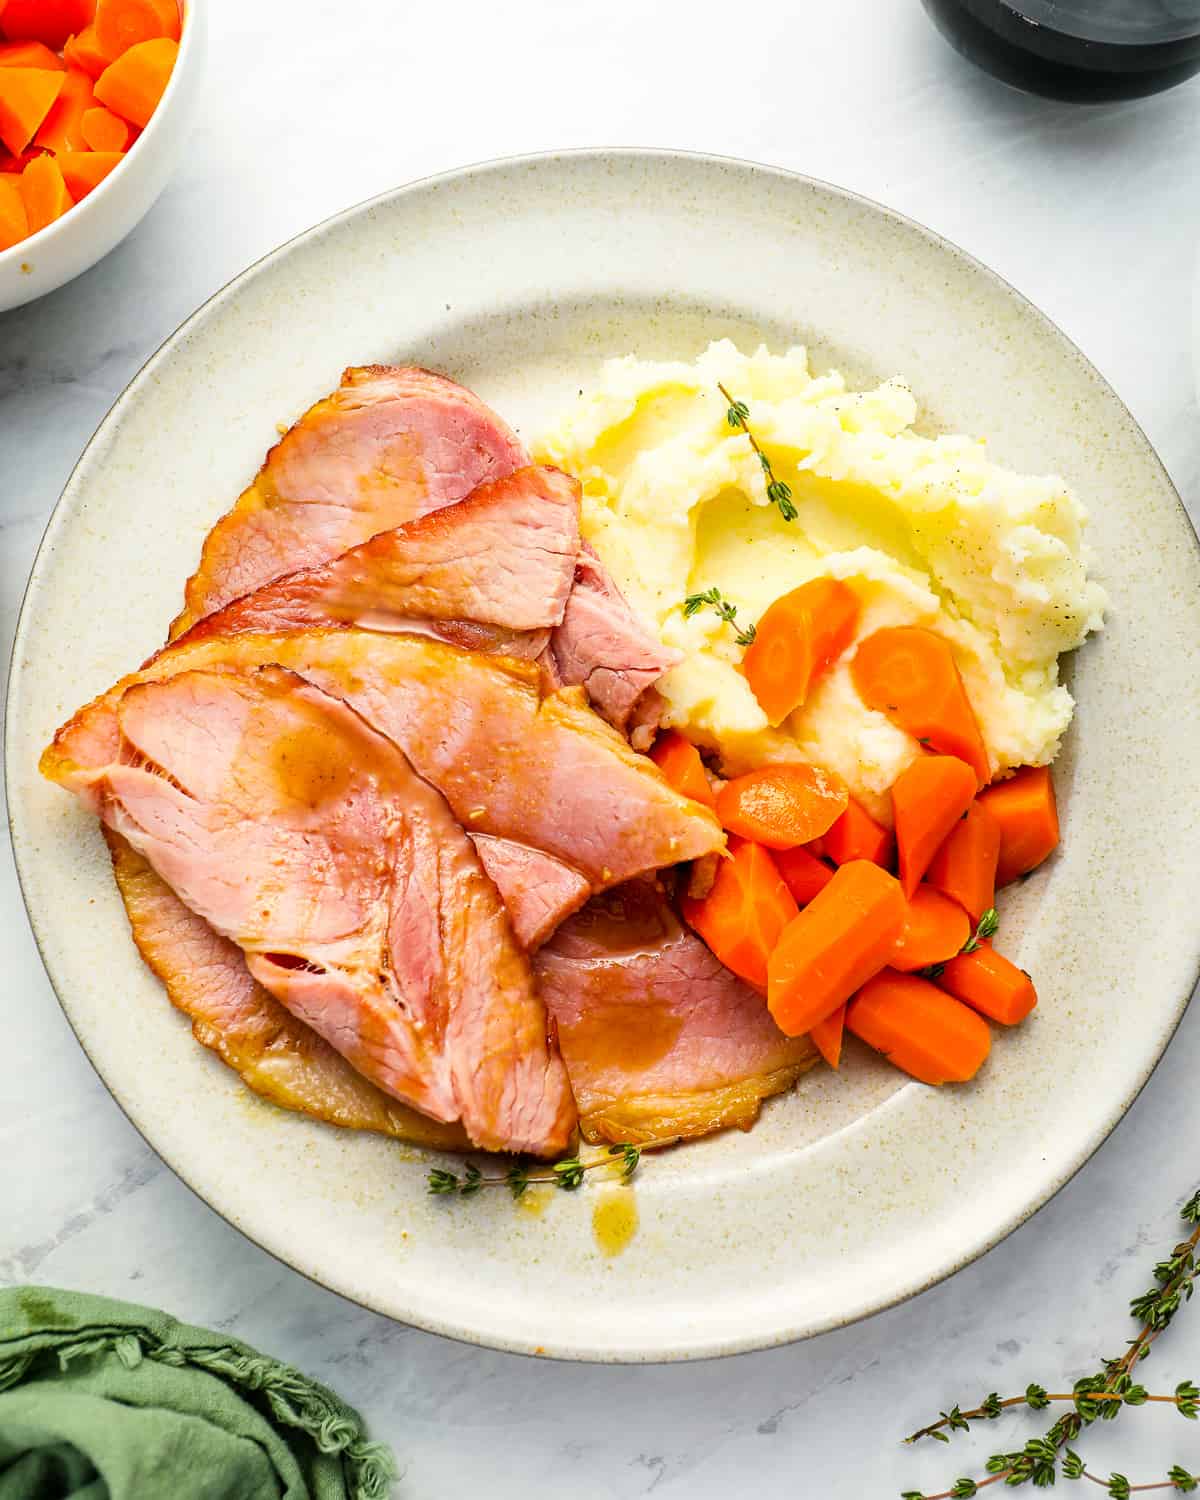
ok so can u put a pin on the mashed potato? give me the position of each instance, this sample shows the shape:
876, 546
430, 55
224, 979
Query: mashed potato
932, 531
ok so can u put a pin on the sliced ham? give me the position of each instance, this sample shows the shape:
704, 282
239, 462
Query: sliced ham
491, 573
276, 1055
538, 890
305, 837
659, 1039
390, 444
603, 647
543, 772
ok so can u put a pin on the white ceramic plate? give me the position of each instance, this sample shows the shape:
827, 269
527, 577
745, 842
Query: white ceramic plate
518, 278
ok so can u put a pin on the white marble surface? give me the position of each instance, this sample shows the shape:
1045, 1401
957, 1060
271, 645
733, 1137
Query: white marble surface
1091, 212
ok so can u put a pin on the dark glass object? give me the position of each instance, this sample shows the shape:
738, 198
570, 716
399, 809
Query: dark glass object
1076, 49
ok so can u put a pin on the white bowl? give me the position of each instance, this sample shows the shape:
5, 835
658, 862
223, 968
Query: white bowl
87, 232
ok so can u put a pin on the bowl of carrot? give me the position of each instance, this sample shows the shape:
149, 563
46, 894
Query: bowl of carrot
96, 97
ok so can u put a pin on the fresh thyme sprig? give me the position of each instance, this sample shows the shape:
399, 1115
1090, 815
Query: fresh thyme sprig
694, 603
778, 493
1098, 1397
566, 1174
987, 927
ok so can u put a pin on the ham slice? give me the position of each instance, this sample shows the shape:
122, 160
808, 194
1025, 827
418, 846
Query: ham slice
278, 1056
298, 832
390, 444
491, 573
659, 1039
543, 772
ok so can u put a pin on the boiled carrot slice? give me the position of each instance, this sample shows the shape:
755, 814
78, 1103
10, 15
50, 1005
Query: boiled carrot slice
744, 914
920, 1028
84, 170
964, 867
803, 873
14, 223
44, 191
842, 937
782, 806
935, 931
679, 761
48, 21
991, 983
928, 799
83, 51
797, 639
132, 85
29, 55
103, 131
910, 675
1025, 808
121, 24
827, 1036
856, 835
62, 129
26, 95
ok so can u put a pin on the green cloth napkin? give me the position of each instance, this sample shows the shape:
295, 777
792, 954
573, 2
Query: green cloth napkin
102, 1400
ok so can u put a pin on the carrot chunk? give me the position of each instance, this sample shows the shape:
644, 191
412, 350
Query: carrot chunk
928, 799
1027, 813
827, 1036
991, 983
14, 223
84, 170
910, 675
83, 51
44, 191
679, 761
965, 865
121, 24
743, 915
102, 130
782, 806
920, 1028
856, 835
797, 639
132, 85
803, 873
48, 21
26, 95
842, 937
935, 931
29, 55
62, 129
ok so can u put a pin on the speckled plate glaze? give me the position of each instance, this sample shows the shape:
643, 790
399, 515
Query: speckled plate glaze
518, 278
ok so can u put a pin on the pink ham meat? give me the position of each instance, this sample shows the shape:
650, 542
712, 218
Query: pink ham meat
542, 772
276, 1055
491, 573
603, 647
303, 836
659, 1039
390, 444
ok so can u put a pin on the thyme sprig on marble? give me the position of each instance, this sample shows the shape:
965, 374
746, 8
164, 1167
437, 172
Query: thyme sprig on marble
987, 927
713, 598
1098, 1397
778, 493
566, 1174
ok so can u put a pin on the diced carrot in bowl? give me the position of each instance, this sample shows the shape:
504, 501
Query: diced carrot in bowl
29, 55
796, 640
83, 51
679, 761
44, 191
121, 24
62, 129
928, 798
935, 931
856, 835
991, 983
48, 21
782, 806
1025, 808
103, 131
964, 866
840, 939
84, 170
803, 873
132, 85
14, 223
920, 1028
26, 95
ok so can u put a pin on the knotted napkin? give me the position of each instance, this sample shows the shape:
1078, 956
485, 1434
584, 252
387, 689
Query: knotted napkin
103, 1400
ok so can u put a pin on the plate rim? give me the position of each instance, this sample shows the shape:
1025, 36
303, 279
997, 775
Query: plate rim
445, 1326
